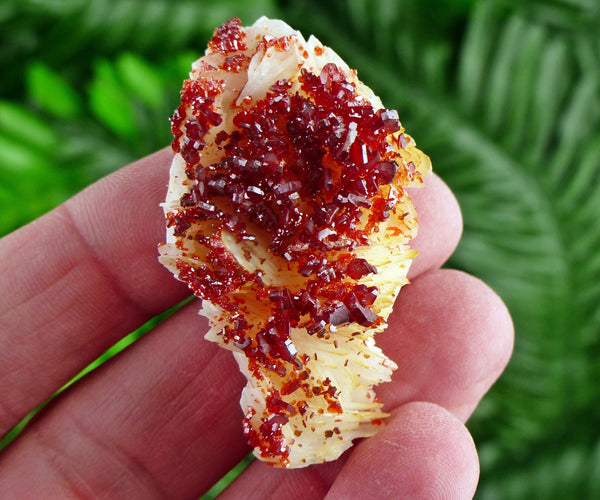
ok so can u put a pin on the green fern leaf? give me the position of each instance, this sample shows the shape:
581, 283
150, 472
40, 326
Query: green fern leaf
68, 34
51, 92
110, 102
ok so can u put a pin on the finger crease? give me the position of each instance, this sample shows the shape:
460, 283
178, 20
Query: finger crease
103, 267
117, 466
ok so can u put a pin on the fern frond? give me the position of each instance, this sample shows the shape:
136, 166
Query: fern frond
67, 33
571, 472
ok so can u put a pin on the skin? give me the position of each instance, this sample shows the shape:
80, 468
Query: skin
161, 419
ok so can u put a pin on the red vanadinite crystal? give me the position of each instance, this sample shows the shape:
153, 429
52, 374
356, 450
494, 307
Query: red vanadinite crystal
303, 167
236, 63
281, 44
228, 38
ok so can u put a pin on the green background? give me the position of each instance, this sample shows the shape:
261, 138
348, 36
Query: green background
503, 95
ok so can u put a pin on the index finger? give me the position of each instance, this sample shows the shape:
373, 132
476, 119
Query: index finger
78, 279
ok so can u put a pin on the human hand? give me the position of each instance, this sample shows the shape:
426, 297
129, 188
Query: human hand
162, 419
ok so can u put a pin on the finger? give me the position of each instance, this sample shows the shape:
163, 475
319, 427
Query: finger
440, 225
423, 452
451, 337
77, 280
160, 420
260, 481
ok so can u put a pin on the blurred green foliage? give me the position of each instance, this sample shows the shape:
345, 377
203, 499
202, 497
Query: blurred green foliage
504, 96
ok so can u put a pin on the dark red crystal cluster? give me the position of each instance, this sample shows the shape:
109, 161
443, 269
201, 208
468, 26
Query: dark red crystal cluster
314, 170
